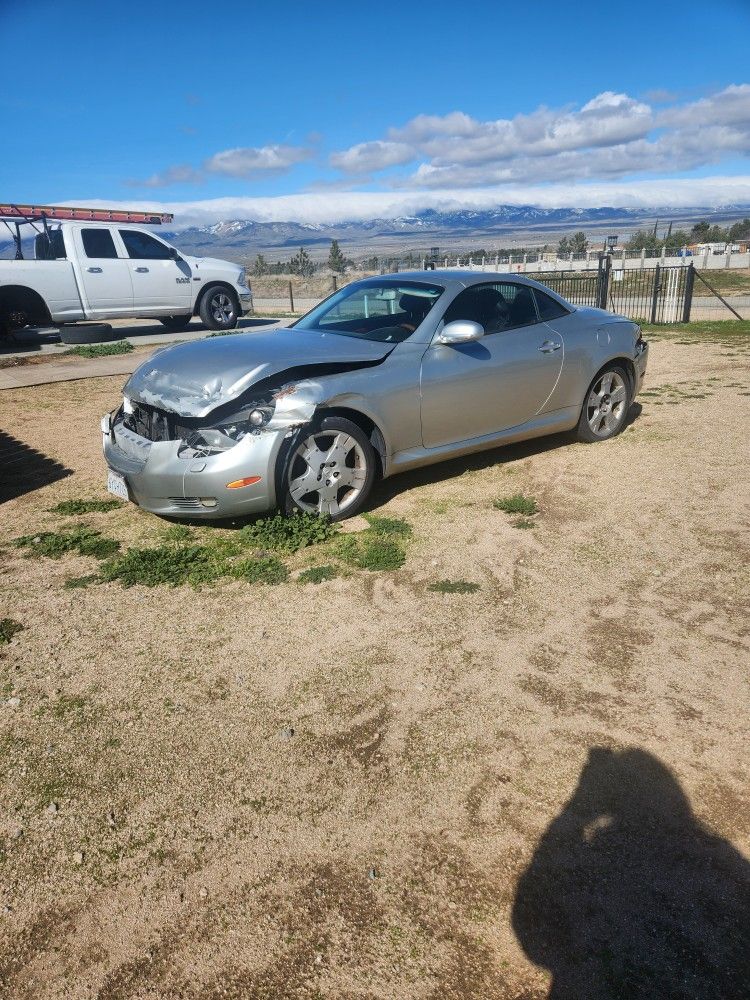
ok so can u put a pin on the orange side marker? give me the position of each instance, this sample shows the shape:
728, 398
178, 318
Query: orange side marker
239, 483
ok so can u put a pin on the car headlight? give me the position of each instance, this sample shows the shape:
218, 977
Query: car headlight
228, 431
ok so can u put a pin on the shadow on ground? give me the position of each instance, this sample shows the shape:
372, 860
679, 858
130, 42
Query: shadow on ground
628, 895
25, 469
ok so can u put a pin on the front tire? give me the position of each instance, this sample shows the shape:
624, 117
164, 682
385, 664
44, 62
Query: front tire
605, 407
329, 469
219, 309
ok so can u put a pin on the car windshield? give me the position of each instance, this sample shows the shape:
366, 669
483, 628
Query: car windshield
383, 309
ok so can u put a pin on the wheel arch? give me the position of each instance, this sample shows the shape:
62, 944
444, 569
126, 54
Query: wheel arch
218, 283
368, 425
624, 362
22, 299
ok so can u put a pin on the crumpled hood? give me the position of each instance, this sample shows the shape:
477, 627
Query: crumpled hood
192, 379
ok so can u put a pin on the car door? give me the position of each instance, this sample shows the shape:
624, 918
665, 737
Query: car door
105, 276
498, 382
161, 284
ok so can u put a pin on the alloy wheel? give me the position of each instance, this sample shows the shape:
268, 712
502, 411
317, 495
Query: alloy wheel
222, 307
606, 405
327, 472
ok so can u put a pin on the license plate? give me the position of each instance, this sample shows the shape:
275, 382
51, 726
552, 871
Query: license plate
116, 484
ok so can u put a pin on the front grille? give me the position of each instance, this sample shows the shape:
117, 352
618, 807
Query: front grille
186, 503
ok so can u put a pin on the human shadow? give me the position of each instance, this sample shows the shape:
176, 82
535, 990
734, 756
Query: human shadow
629, 896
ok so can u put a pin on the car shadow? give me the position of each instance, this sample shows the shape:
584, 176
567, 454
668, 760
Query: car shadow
25, 469
387, 489
629, 895
31, 340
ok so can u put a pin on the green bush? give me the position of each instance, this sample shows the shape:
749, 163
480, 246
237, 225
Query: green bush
267, 569
318, 574
8, 628
517, 504
72, 507
101, 350
373, 552
54, 544
389, 525
165, 564
288, 534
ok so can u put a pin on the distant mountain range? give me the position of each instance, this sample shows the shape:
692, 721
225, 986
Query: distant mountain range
504, 225
501, 226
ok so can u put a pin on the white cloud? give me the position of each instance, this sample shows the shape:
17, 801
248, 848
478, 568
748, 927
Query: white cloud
612, 135
252, 161
339, 206
242, 162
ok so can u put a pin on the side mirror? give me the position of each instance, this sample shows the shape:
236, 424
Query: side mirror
460, 331
174, 253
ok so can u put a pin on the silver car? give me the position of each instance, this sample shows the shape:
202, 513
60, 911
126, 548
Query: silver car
387, 374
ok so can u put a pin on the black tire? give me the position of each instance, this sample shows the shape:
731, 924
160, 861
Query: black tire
219, 308
610, 417
176, 323
89, 333
291, 464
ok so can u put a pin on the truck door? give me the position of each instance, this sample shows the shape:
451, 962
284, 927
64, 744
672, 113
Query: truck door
161, 284
105, 277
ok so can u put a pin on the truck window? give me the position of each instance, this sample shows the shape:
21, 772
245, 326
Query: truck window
98, 244
141, 246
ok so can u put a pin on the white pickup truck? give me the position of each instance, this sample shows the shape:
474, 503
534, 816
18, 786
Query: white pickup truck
95, 271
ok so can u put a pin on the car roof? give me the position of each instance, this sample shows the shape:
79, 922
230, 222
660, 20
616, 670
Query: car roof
466, 278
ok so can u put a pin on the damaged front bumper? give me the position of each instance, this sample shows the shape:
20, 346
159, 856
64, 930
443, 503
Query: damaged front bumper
164, 482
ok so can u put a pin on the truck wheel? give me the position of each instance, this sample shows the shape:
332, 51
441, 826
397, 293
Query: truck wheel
176, 323
88, 333
219, 309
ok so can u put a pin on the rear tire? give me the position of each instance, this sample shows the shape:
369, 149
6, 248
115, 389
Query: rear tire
176, 323
328, 469
89, 333
605, 406
219, 308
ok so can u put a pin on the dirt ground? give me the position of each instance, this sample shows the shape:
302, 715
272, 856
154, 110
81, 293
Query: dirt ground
367, 789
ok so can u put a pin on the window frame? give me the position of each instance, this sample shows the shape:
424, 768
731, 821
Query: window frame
96, 229
122, 233
539, 291
497, 285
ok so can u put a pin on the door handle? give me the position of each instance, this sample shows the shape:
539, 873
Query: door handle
142, 270
94, 270
549, 346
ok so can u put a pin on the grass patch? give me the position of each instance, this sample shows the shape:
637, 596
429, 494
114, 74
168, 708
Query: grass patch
79, 582
73, 507
8, 628
394, 526
267, 569
101, 350
177, 533
704, 331
318, 574
225, 333
55, 544
165, 564
373, 552
288, 534
517, 504
454, 587
522, 522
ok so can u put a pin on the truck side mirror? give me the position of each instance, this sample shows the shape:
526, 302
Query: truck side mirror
174, 253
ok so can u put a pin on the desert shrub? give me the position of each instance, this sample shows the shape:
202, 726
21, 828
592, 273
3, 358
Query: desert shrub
288, 534
318, 574
165, 564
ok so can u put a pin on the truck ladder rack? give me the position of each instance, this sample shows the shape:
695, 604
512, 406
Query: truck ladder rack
38, 213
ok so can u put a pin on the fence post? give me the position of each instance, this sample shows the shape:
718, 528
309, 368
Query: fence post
689, 283
655, 293
602, 281
291, 298
335, 283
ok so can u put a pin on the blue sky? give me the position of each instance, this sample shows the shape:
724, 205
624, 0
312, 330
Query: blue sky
322, 111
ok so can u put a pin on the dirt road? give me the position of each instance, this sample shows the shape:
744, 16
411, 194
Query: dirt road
366, 788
